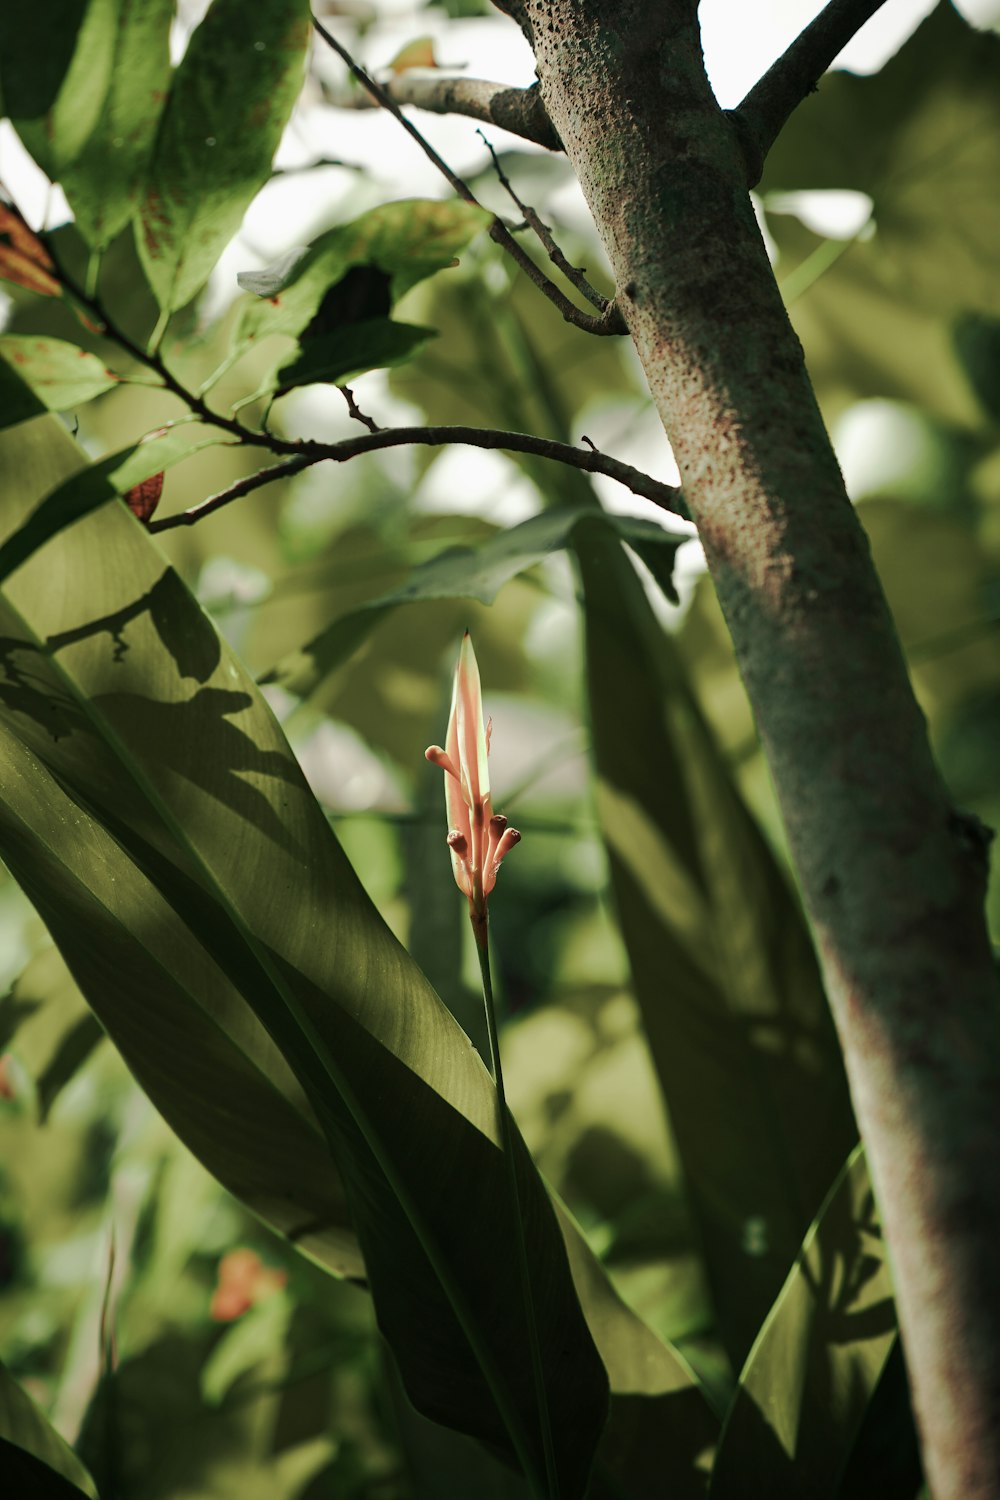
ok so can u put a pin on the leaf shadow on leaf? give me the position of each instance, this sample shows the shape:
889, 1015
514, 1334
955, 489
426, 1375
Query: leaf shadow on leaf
172, 733
816, 1365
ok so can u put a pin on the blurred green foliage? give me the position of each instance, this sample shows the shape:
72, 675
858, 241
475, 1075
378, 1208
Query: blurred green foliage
113, 1238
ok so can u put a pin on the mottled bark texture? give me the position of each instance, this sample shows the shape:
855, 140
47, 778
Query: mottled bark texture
892, 877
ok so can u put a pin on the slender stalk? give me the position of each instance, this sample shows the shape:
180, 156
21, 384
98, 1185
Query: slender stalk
156, 337
481, 930
93, 271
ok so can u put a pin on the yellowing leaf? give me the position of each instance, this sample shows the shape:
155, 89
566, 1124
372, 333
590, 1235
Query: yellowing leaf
418, 54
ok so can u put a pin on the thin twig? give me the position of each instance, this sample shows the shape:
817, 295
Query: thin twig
610, 322
760, 117
355, 410
573, 274
309, 453
236, 491
519, 111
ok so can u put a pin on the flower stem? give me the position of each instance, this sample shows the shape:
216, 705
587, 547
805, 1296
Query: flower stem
507, 1147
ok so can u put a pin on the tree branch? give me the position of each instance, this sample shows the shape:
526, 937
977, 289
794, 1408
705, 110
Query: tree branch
609, 322
760, 117
310, 453
573, 274
519, 111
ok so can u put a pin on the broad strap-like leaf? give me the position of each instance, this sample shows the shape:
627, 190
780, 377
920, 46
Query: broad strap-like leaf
229, 101
34, 1460
94, 485
721, 961
187, 1035
18, 402
162, 738
816, 1363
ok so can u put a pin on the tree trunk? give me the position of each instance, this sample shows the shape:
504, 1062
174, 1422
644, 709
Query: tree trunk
893, 878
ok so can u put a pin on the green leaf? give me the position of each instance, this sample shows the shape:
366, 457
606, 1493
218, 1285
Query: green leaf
721, 961
922, 139
55, 84
102, 181
816, 1363
61, 374
469, 573
408, 240
351, 351
229, 102
34, 1459
18, 402
193, 1045
245, 1344
219, 874
92, 126
95, 485
55, 1031
37, 43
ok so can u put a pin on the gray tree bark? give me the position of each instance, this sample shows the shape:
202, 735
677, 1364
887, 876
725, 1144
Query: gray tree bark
892, 876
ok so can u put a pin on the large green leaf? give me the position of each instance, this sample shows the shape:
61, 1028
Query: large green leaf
468, 573
922, 139
94, 485
193, 1044
18, 402
92, 127
34, 1460
817, 1361
229, 101
216, 873
721, 961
